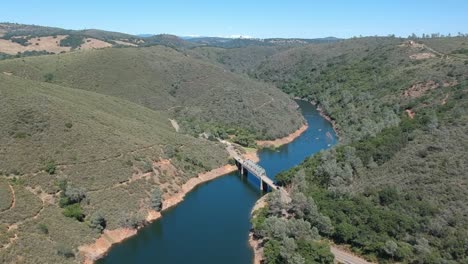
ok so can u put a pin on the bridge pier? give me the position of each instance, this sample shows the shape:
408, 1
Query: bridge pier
263, 186
242, 170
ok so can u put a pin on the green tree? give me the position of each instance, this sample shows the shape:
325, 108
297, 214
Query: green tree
390, 248
74, 211
272, 252
315, 251
97, 221
156, 199
345, 232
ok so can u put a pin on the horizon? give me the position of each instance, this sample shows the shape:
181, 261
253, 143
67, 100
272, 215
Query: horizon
262, 20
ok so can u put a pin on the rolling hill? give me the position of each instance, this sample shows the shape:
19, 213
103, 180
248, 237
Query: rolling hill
201, 96
88, 140
57, 140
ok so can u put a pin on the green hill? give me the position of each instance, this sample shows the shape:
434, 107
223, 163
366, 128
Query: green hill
395, 188
60, 146
201, 96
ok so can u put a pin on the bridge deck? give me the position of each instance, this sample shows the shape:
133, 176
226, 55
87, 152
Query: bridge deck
257, 171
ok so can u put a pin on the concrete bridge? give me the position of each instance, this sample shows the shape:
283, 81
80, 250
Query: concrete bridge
246, 165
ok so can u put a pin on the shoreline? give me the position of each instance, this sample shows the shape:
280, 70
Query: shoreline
331, 121
284, 140
90, 253
256, 244
328, 118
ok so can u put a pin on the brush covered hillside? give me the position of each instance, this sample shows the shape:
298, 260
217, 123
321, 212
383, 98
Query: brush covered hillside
202, 97
20, 40
74, 162
92, 140
395, 189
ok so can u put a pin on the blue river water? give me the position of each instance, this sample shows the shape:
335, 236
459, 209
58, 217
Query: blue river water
212, 224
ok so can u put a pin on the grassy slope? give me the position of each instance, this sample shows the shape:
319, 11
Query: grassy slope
197, 93
95, 142
395, 189
12, 30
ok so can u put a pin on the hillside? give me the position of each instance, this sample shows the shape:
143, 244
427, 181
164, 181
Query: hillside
202, 97
27, 40
250, 42
71, 152
395, 188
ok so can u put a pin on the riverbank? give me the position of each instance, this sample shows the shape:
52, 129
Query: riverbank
92, 252
256, 244
283, 141
329, 119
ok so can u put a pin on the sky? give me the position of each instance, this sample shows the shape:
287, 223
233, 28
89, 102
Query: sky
260, 19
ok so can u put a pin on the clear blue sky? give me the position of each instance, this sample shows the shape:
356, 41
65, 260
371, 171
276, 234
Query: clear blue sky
286, 18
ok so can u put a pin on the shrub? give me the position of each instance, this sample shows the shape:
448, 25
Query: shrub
74, 194
68, 125
132, 221
43, 228
50, 167
62, 184
64, 201
169, 151
21, 41
20, 135
65, 252
98, 221
48, 77
74, 211
147, 167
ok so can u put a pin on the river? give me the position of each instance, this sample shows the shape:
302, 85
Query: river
212, 224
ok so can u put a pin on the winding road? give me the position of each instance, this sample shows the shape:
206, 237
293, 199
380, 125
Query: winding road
342, 256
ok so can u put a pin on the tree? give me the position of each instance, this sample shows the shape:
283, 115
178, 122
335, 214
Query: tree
390, 248
156, 199
98, 221
288, 248
276, 227
272, 252
276, 204
301, 206
169, 151
388, 195
300, 229
75, 194
74, 211
315, 251
345, 232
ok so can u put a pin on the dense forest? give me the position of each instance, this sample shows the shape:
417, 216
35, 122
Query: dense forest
395, 188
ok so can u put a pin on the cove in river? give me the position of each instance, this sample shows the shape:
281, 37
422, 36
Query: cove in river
212, 224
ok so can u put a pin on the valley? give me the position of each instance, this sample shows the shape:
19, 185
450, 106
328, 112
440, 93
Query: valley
111, 147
